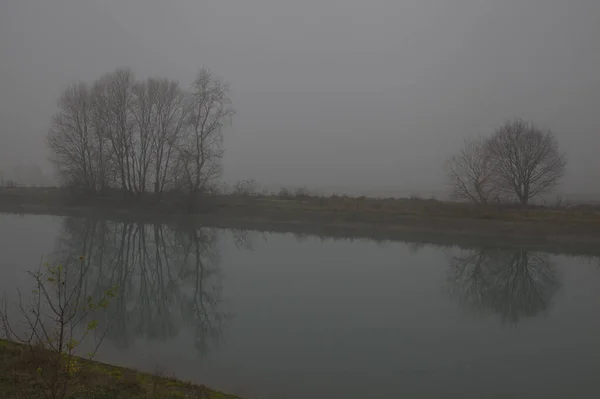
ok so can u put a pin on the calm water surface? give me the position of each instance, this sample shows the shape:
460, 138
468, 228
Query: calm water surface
283, 316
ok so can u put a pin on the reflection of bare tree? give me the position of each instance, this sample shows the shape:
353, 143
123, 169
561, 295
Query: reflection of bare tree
167, 277
242, 239
202, 306
415, 247
511, 283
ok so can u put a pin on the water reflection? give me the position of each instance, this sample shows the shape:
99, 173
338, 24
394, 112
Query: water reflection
513, 284
168, 277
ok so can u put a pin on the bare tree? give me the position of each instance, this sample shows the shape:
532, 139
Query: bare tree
144, 134
142, 122
470, 172
113, 99
527, 161
71, 138
171, 112
202, 150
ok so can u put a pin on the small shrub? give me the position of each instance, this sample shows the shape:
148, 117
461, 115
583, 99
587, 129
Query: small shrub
57, 307
246, 188
302, 192
284, 193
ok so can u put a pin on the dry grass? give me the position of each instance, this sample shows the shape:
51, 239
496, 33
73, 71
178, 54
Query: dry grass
301, 206
385, 210
19, 378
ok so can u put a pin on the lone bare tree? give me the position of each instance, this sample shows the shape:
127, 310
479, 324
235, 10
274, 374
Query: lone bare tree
527, 161
470, 172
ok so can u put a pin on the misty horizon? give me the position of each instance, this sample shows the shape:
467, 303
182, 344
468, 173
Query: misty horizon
337, 96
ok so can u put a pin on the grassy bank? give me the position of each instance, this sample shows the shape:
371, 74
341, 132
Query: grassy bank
342, 208
389, 210
19, 379
375, 216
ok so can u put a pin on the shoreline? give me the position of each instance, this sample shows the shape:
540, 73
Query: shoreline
571, 238
555, 229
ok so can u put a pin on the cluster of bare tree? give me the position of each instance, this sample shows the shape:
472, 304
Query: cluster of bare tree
518, 162
140, 136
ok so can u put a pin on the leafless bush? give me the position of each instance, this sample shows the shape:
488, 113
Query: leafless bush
302, 192
284, 193
246, 187
51, 326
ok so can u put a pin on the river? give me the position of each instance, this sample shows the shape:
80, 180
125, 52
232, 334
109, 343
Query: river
269, 315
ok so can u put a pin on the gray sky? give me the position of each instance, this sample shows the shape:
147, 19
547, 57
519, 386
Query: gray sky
350, 94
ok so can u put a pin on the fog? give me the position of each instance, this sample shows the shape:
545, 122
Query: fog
344, 95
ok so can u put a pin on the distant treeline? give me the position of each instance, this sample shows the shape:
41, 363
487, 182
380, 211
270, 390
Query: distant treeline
147, 137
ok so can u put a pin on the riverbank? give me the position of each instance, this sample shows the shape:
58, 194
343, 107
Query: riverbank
19, 379
553, 229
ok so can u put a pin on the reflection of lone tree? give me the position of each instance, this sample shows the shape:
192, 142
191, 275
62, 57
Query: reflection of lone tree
511, 283
167, 277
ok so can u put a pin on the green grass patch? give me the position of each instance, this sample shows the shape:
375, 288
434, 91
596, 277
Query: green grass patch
19, 379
